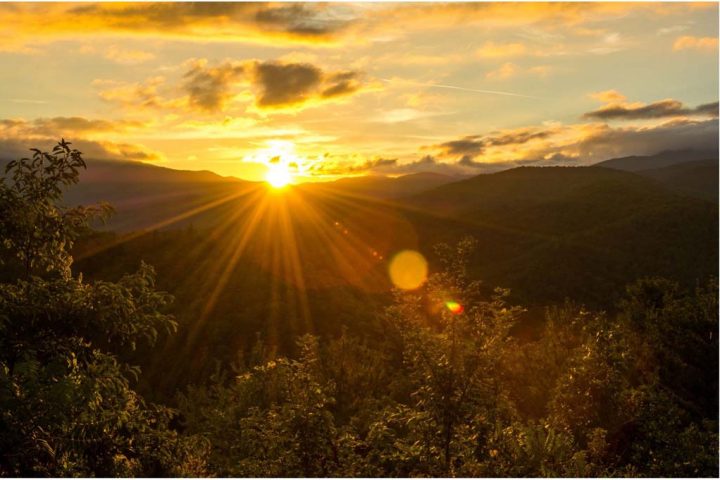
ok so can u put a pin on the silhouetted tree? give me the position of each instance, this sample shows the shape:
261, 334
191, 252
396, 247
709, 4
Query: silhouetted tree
66, 406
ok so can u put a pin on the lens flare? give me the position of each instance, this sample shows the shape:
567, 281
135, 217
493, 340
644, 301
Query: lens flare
408, 270
454, 307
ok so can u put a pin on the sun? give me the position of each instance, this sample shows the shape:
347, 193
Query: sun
278, 176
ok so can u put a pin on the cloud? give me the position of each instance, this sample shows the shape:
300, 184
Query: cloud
472, 146
210, 88
274, 85
138, 95
605, 142
609, 96
89, 136
265, 23
64, 126
15, 148
618, 108
427, 163
284, 85
708, 44
339, 84
305, 19
505, 71
330, 166
577, 144
127, 57
501, 50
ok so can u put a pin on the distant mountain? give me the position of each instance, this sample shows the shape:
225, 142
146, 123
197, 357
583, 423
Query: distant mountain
663, 159
698, 178
148, 196
576, 232
378, 186
524, 187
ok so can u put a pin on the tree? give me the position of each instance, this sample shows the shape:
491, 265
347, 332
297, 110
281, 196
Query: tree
66, 405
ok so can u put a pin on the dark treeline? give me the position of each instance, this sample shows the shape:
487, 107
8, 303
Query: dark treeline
434, 392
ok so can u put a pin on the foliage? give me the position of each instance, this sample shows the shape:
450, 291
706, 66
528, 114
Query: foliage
35, 231
66, 405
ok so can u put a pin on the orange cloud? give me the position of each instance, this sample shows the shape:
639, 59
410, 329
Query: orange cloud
695, 43
26, 23
609, 96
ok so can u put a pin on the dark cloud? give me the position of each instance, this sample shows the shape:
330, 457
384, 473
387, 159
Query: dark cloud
210, 88
468, 161
467, 146
516, 137
330, 167
343, 83
709, 109
303, 19
16, 148
286, 84
300, 20
137, 16
384, 162
674, 135
426, 164
289, 84
659, 109
471, 146
59, 126
18, 136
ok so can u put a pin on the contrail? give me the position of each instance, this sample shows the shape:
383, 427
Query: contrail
453, 87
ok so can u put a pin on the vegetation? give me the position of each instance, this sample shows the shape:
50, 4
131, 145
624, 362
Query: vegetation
421, 389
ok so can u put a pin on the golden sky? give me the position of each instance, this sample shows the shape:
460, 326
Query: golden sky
338, 89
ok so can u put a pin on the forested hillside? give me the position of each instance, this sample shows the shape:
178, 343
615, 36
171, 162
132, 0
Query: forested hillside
273, 345
698, 178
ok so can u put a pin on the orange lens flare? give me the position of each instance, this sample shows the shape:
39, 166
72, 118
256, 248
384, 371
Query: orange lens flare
454, 307
408, 270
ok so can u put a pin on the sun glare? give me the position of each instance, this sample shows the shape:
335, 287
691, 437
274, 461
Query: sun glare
281, 161
278, 176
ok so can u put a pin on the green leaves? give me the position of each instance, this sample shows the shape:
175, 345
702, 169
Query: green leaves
66, 405
37, 233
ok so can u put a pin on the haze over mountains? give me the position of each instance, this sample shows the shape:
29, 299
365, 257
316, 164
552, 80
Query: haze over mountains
148, 196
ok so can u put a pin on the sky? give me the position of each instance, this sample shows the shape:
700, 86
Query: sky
337, 89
